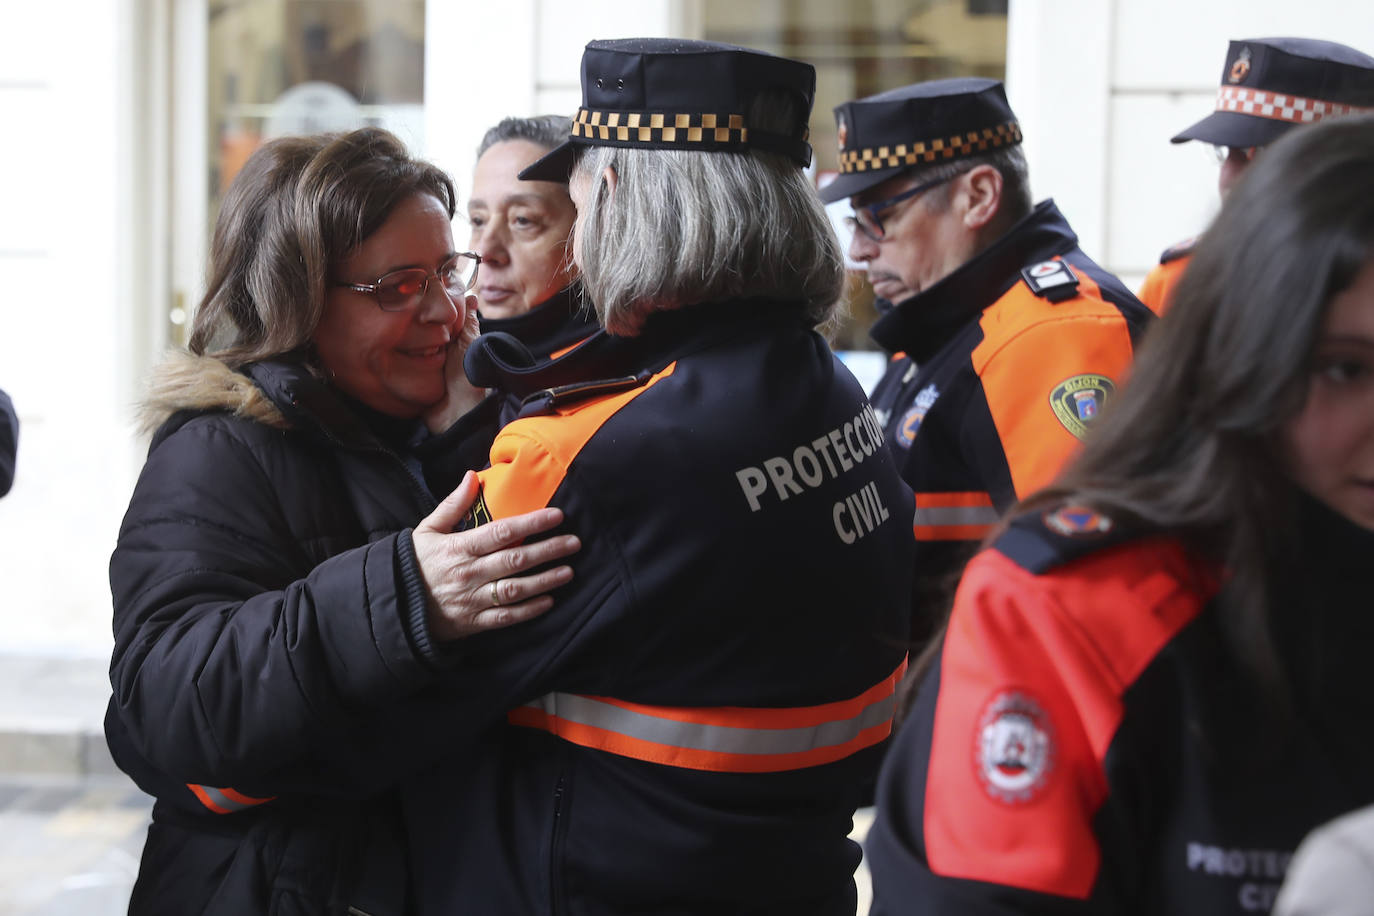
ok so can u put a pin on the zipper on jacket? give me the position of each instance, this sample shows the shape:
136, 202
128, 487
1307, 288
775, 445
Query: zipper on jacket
418, 486
560, 793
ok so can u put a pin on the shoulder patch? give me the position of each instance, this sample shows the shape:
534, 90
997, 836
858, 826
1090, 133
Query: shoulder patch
478, 514
911, 420
1076, 521
1079, 399
1180, 250
1052, 280
1041, 541
1014, 747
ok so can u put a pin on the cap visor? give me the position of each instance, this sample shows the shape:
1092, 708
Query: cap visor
556, 165
1229, 128
856, 183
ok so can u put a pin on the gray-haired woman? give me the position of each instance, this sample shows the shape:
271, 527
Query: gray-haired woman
692, 726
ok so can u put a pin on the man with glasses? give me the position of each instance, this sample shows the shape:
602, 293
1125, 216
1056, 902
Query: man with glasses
1268, 87
1008, 340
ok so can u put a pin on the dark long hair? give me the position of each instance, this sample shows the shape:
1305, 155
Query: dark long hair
1191, 446
299, 207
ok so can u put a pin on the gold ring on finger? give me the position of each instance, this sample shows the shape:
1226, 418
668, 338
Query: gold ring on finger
495, 593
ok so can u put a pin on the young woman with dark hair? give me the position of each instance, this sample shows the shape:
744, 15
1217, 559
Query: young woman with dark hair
1153, 682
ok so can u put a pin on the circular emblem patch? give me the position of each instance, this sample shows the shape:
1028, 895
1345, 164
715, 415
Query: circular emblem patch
911, 420
1014, 750
1241, 68
1078, 400
1076, 521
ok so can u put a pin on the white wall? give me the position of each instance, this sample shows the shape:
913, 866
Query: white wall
62, 321
1101, 85
516, 58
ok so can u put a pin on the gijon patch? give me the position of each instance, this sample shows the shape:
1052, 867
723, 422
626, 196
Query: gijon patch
1078, 400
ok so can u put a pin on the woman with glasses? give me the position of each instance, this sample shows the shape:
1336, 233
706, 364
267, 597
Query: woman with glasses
287, 587
1155, 680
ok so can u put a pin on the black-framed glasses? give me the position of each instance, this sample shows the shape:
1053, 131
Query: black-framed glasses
404, 289
866, 218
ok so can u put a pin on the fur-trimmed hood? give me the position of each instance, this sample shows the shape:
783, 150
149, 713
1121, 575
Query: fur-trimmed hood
185, 381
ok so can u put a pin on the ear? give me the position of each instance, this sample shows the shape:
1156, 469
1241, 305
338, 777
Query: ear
610, 177
982, 192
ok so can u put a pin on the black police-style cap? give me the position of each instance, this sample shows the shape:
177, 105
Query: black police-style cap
665, 93
1271, 85
886, 134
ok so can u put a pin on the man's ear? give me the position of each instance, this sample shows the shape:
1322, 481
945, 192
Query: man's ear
981, 188
611, 178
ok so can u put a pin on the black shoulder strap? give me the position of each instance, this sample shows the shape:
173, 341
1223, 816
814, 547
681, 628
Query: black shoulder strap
1041, 541
548, 400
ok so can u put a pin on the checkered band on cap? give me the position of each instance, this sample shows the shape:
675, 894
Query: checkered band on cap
923, 151
659, 127
1279, 106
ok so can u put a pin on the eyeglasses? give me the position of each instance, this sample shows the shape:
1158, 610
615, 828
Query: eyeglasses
866, 218
401, 290
1244, 153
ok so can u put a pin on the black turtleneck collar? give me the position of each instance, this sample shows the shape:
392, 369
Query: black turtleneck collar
1335, 550
558, 322
921, 325
497, 361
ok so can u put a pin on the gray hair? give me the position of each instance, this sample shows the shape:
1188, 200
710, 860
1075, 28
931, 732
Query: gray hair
687, 227
1010, 163
547, 131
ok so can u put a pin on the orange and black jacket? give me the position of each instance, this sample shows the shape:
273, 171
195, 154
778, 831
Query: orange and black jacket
691, 726
1157, 291
1088, 743
1004, 365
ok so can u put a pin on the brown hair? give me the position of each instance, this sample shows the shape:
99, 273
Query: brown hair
299, 207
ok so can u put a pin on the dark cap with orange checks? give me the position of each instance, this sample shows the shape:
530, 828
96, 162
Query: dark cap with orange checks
883, 135
668, 93
1271, 85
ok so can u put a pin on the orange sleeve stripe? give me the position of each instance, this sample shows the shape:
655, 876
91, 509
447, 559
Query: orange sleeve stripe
530, 457
953, 516
690, 758
1030, 347
951, 532
943, 500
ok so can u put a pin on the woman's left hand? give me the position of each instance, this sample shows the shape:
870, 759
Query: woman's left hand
460, 395
481, 579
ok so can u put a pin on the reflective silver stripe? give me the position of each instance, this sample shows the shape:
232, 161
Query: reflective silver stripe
225, 802
939, 516
723, 739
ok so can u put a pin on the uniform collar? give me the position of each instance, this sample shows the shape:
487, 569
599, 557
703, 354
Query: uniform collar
921, 325
500, 361
557, 322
